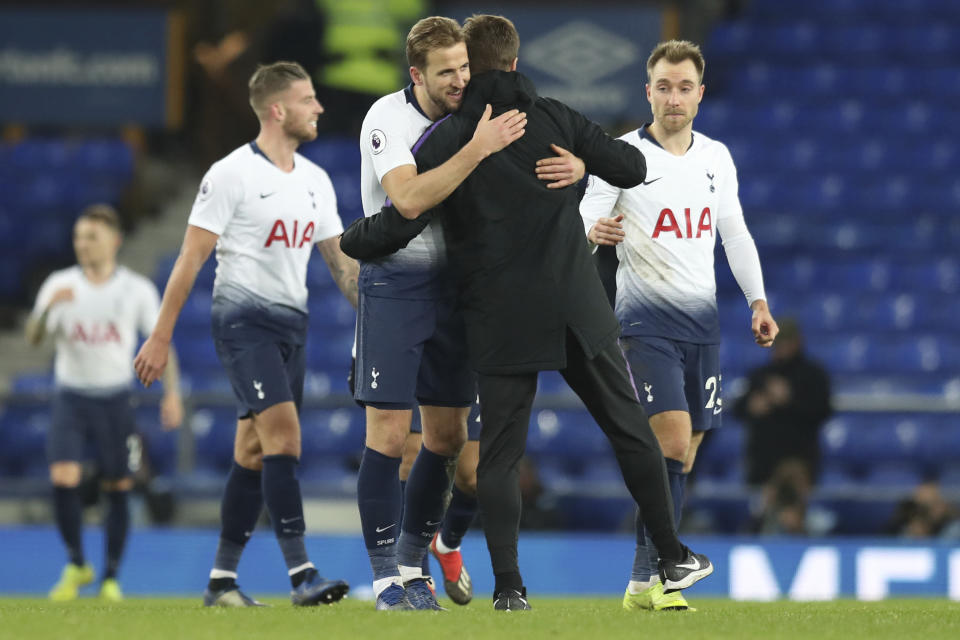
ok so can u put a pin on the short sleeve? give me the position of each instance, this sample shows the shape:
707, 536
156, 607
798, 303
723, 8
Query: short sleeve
217, 199
329, 223
149, 306
47, 289
383, 139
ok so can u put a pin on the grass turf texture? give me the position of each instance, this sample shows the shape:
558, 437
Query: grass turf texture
582, 618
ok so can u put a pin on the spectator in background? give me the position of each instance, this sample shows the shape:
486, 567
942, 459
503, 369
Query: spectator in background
94, 311
786, 403
925, 514
785, 507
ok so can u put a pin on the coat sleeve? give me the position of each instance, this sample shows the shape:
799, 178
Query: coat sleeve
381, 234
617, 162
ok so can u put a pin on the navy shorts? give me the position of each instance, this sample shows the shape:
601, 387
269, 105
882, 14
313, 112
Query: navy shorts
676, 376
263, 352
105, 422
473, 421
412, 352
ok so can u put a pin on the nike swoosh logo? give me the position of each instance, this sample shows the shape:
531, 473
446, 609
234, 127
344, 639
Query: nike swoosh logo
289, 520
431, 524
645, 182
693, 566
379, 530
267, 195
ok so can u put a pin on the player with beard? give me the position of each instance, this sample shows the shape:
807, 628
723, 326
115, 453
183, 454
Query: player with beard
410, 339
263, 206
665, 231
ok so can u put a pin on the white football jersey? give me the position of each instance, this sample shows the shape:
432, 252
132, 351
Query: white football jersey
268, 221
96, 332
390, 131
666, 284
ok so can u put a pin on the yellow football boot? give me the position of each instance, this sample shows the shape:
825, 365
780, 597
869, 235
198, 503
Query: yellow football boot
71, 579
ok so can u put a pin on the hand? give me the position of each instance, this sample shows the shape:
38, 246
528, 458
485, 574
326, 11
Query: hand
778, 390
564, 169
151, 360
608, 231
493, 135
61, 295
171, 410
763, 325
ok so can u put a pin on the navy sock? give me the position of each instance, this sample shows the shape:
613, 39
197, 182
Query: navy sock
646, 559
459, 517
380, 503
281, 492
424, 504
425, 565
68, 512
117, 524
240, 509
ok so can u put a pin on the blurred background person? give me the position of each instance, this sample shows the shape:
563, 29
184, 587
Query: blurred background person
785, 405
94, 311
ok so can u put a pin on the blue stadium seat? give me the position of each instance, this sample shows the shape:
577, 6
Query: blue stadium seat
330, 348
894, 474
565, 434
335, 433
330, 311
197, 352
23, 431
213, 427
160, 445
837, 474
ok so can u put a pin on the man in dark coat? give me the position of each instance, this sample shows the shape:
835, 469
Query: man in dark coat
532, 299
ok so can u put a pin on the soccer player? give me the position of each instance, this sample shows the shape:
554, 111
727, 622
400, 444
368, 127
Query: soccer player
410, 340
532, 300
665, 230
94, 311
263, 206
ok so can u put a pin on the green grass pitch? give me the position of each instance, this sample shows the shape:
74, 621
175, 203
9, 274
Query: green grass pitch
583, 618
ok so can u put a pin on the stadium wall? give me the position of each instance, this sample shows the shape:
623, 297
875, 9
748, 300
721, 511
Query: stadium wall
176, 561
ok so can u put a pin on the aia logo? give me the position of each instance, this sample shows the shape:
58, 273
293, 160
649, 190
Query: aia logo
293, 239
95, 333
667, 223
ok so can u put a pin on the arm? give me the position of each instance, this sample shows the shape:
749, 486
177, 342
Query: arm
745, 264
597, 210
344, 270
562, 170
36, 329
381, 234
617, 162
171, 405
412, 193
152, 358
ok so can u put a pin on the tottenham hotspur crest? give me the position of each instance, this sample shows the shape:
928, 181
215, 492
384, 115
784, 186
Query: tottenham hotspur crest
649, 389
375, 374
710, 176
259, 387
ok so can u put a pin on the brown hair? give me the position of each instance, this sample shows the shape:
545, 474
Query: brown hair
270, 79
492, 43
676, 51
102, 213
435, 32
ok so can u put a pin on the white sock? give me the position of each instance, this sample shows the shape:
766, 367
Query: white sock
305, 565
221, 573
442, 548
410, 573
383, 583
639, 586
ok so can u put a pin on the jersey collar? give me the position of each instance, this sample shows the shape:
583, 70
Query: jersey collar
644, 134
412, 99
258, 151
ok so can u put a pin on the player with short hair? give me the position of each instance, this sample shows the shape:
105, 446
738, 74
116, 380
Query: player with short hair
410, 340
264, 207
94, 310
665, 231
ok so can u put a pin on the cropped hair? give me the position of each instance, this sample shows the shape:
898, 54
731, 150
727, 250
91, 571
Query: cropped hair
270, 79
103, 213
676, 51
435, 32
492, 43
